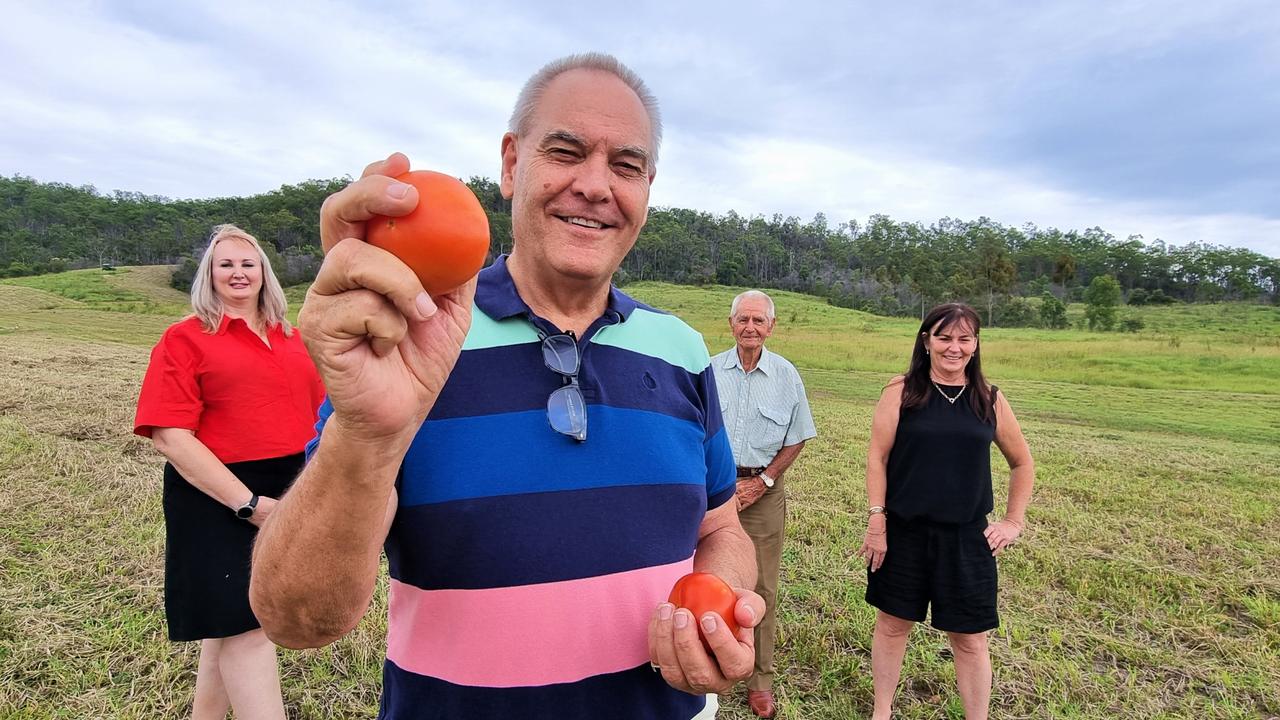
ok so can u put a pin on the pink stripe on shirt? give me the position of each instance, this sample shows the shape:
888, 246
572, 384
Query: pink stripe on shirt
528, 635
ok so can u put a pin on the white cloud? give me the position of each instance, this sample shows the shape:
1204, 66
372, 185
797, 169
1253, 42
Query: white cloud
845, 109
766, 175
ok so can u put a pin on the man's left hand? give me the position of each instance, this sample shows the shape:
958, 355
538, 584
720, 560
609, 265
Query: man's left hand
750, 489
676, 650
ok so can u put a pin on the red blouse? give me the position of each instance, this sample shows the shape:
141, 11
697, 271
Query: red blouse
244, 400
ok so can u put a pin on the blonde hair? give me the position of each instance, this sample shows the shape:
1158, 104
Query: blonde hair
205, 303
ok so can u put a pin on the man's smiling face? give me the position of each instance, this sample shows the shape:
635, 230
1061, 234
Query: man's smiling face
579, 178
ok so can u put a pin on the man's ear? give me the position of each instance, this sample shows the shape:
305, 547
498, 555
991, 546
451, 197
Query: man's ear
507, 184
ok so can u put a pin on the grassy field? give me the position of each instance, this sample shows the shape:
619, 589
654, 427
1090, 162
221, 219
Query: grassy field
1146, 585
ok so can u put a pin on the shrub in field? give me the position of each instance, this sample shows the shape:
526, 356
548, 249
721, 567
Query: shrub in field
184, 274
1053, 313
1101, 300
1132, 324
1138, 296
1017, 313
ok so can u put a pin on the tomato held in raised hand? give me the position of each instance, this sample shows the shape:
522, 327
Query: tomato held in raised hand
701, 593
446, 237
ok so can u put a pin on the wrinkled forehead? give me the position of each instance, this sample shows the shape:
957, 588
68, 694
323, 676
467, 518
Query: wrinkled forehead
958, 325
752, 306
593, 104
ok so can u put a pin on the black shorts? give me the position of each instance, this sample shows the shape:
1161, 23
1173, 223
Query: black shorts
948, 567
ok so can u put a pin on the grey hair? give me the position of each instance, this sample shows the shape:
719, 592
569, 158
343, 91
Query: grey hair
205, 303
531, 93
733, 309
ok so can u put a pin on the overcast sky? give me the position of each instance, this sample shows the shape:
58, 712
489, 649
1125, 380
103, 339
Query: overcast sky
1152, 118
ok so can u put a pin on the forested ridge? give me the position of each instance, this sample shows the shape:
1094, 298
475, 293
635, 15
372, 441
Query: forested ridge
880, 265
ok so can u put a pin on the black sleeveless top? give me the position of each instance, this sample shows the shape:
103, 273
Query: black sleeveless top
940, 465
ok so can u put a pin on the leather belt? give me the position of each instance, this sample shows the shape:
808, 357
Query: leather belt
749, 471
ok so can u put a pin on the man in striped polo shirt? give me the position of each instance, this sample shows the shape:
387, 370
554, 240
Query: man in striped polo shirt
541, 456
766, 414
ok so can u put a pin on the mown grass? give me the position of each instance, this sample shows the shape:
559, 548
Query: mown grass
72, 304
1146, 586
131, 290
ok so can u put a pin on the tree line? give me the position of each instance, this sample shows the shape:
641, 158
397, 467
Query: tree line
880, 265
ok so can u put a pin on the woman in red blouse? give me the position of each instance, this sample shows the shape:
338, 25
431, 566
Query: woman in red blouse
230, 399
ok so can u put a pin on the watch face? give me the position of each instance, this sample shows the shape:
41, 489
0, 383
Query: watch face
245, 511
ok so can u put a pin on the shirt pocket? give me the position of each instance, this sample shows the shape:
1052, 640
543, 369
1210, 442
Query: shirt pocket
772, 429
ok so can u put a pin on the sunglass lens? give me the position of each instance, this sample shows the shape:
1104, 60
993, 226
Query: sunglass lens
567, 412
560, 353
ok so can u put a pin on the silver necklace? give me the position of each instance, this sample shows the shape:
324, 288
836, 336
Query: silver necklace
950, 399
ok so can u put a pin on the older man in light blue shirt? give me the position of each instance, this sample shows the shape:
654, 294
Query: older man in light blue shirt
767, 418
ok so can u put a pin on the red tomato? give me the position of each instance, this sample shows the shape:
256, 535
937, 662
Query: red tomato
701, 593
446, 237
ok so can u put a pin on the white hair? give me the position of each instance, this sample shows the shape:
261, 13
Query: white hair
531, 93
205, 303
733, 309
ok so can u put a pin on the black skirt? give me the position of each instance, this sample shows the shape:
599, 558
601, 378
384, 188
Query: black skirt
206, 558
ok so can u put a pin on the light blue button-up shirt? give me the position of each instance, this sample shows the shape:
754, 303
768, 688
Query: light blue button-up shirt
765, 409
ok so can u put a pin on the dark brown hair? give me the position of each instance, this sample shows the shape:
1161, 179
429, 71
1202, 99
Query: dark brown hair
917, 384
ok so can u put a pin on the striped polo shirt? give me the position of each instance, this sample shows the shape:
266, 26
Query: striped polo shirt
525, 565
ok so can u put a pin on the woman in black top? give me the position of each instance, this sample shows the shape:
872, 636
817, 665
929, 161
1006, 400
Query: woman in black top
928, 544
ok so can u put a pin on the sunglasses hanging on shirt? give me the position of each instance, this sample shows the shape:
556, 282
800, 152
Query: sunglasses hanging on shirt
566, 408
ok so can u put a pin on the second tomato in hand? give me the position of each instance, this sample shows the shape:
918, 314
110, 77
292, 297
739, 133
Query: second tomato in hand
444, 240
701, 593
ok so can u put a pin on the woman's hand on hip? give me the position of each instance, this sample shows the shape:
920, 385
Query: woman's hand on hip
1001, 534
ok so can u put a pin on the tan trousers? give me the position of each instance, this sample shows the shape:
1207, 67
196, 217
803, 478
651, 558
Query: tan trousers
765, 521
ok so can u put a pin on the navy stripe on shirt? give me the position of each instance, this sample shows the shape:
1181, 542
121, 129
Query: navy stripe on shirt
544, 537
635, 694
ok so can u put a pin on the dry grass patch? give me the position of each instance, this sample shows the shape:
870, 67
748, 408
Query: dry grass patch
150, 281
82, 629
